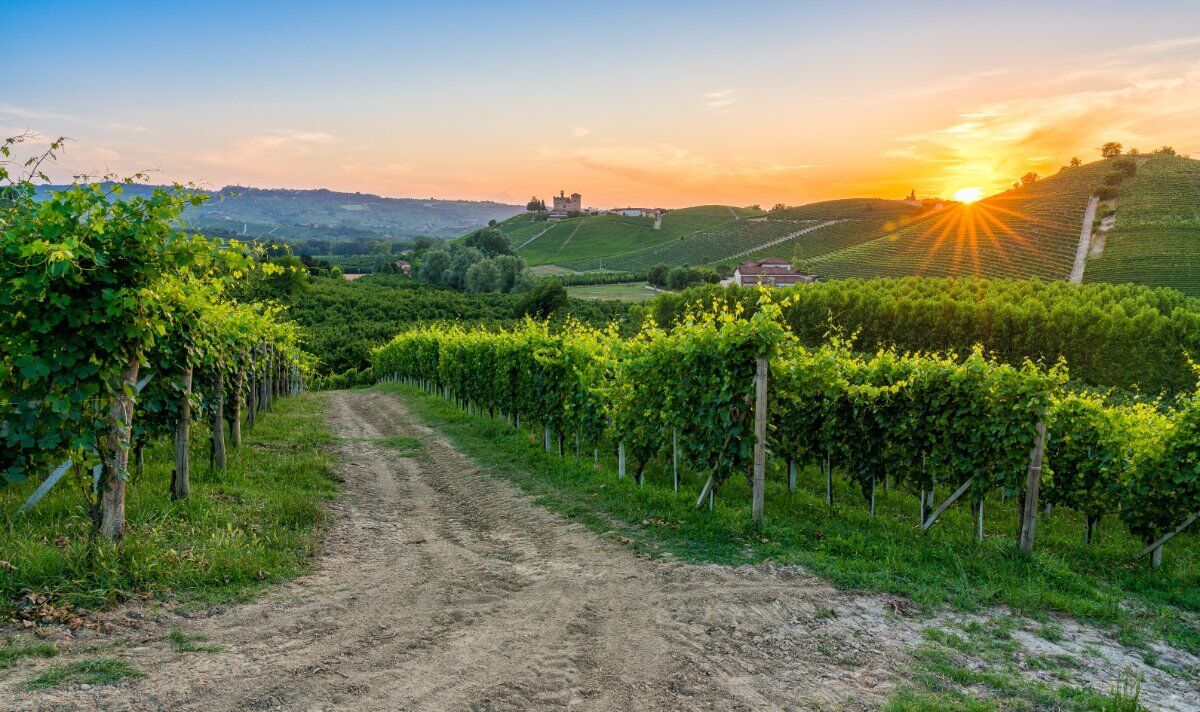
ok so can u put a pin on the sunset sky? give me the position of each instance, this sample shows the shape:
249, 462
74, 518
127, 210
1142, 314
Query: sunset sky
648, 104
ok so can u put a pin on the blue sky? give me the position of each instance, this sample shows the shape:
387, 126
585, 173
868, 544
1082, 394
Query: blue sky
666, 103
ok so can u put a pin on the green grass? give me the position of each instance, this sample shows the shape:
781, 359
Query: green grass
944, 567
254, 523
405, 444
625, 292
12, 651
184, 643
978, 663
101, 671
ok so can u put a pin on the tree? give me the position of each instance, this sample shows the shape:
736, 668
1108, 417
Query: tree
1029, 178
492, 222
482, 277
1166, 151
1075, 162
657, 275
547, 296
456, 275
1112, 149
778, 207
490, 242
510, 268
535, 205
433, 266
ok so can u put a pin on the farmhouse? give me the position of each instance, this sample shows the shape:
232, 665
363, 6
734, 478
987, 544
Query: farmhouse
772, 272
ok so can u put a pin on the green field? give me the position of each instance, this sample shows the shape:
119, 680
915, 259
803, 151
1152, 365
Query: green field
625, 292
1156, 239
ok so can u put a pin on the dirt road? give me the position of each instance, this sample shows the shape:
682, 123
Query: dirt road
441, 587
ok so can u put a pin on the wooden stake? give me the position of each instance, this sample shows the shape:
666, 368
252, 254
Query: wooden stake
791, 475
620, 461
979, 522
758, 489
675, 457
181, 477
219, 420
1033, 483
949, 501
1157, 546
872, 496
828, 481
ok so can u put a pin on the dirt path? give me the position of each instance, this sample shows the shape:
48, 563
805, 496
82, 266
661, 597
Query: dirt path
441, 587
1085, 241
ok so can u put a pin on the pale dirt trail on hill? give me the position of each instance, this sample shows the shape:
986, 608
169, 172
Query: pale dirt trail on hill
441, 587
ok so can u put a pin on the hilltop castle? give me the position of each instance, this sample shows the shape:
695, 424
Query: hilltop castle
563, 204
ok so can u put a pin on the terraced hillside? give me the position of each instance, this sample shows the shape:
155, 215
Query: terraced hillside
850, 208
1031, 231
725, 243
1156, 237
603, 236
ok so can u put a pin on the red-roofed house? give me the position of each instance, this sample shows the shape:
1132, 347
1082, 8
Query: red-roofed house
771, 272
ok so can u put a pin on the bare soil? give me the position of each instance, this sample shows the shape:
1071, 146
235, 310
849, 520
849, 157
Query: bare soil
441, 587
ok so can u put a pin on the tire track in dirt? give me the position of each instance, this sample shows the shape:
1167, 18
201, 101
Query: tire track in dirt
442, 587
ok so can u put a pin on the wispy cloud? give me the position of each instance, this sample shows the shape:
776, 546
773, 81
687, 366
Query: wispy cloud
721, 100
12, 111
666, 165
579, 131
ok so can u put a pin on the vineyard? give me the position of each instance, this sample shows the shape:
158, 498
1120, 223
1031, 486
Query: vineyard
704, 247
121, 329
598, 237
1125, 336
1156, 238
721, 390
849, 209
1031, 231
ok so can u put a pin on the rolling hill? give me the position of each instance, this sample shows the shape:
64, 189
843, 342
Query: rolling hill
704, 235
283, 214
1032, 231
1155, 237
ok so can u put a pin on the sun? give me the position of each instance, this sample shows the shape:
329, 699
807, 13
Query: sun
968, 195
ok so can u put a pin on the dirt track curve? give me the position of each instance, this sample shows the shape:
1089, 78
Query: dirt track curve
440, 587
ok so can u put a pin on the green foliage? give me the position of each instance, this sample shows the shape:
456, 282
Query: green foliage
1125, 336
490, 241
547, 297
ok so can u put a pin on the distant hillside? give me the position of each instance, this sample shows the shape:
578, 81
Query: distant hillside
1032, 231
705, 235
598, 239
1155, 237
324, 213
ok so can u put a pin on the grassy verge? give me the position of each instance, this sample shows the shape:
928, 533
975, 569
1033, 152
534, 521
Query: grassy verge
888, 553
243, 527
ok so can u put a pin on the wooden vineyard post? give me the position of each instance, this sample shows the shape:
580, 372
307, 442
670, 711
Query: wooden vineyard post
218, 420
872, 496
546, 437
760, 441
791, 475
1155, 549
620, 461
979, 522
1033, 482
675, 457
180, 478
828, 468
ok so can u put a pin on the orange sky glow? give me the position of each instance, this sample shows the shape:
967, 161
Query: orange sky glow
638, 119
